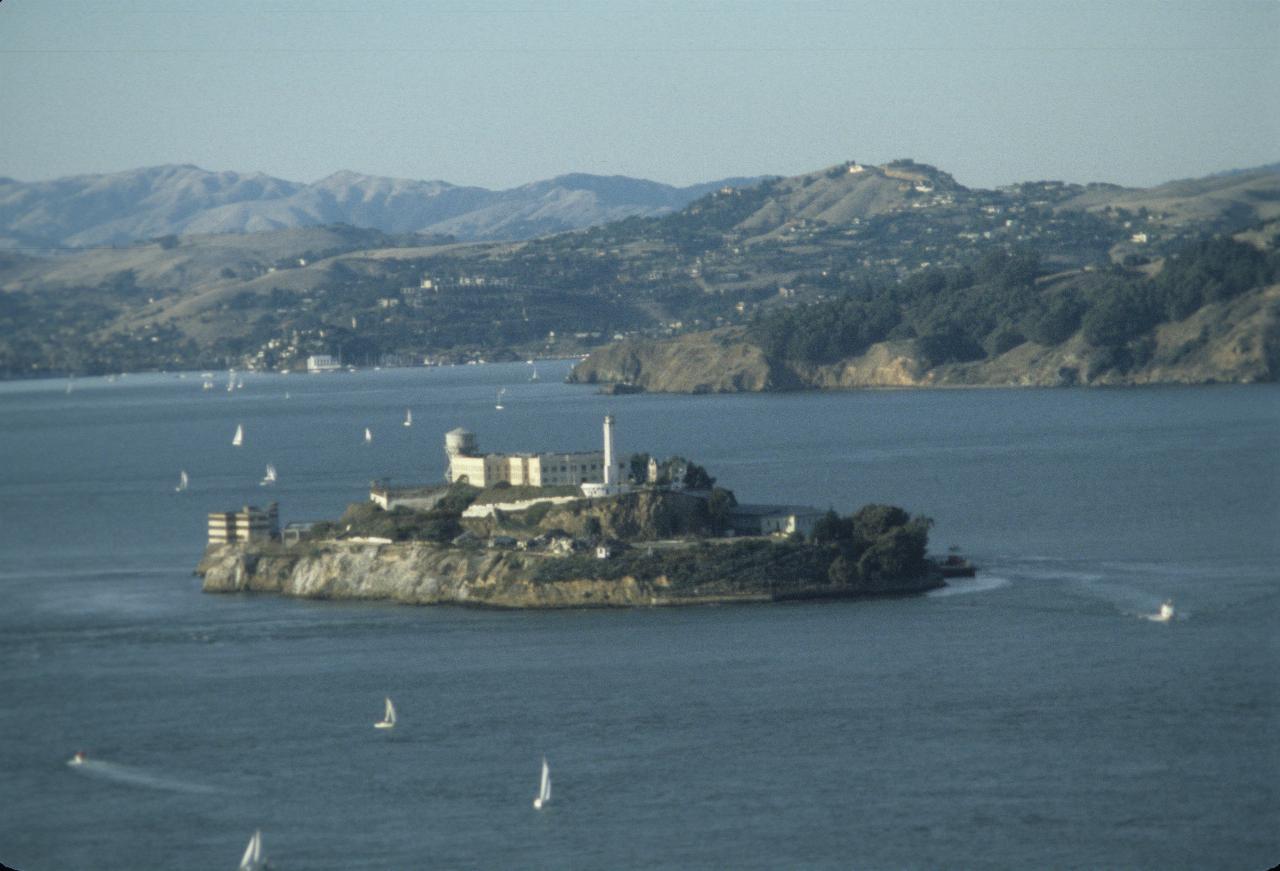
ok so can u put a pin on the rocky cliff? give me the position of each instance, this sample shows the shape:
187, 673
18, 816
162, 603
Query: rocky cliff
1232, 342
426, 574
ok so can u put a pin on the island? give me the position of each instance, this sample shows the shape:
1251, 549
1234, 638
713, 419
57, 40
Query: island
572, 530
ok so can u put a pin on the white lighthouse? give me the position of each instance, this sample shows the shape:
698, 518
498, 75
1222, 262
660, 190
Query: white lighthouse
612, 480
610, 473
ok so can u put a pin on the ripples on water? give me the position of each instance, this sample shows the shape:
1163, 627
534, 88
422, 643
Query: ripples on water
1025, 718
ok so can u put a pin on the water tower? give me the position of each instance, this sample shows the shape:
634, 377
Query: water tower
458, 443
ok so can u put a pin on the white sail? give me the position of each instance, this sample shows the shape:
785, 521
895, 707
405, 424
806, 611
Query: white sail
252, 858
182, 481
270, 476
544, 786
388, 720
408, 417
368, 436
238, 439
498, 404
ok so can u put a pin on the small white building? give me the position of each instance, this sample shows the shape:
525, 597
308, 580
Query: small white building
773, 519
322, 363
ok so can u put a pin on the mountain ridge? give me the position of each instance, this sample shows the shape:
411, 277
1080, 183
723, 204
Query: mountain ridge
184, 199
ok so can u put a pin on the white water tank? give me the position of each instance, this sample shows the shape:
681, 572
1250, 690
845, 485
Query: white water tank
460, 443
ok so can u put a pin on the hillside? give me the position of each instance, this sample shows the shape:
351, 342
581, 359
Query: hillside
1209, 314
733, 256
141, 204
1229, 343
1242, 197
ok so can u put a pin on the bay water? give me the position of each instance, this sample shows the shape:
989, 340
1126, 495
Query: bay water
1029, 717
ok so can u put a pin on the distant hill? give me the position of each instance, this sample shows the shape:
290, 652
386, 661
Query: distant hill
732, 257
1239, 197
140, 204
843, 194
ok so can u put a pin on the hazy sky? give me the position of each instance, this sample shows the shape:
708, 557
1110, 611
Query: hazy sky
502, 92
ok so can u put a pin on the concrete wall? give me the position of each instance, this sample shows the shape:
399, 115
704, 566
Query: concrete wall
522, 505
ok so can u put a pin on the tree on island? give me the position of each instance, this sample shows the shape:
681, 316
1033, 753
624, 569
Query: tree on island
696, 478
875, 545
639, 468
720, 505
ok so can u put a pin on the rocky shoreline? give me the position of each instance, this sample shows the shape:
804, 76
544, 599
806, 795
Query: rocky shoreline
421, 573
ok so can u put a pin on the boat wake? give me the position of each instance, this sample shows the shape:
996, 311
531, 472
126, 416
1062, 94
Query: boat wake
139, 777
983, 583
1126, 587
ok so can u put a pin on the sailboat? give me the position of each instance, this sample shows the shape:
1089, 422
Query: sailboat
252, 859
182, 482
1164, 615
534, 376
368, 436
238, 439
408, 417
388, 720
501, 391
544, 787
269, 478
